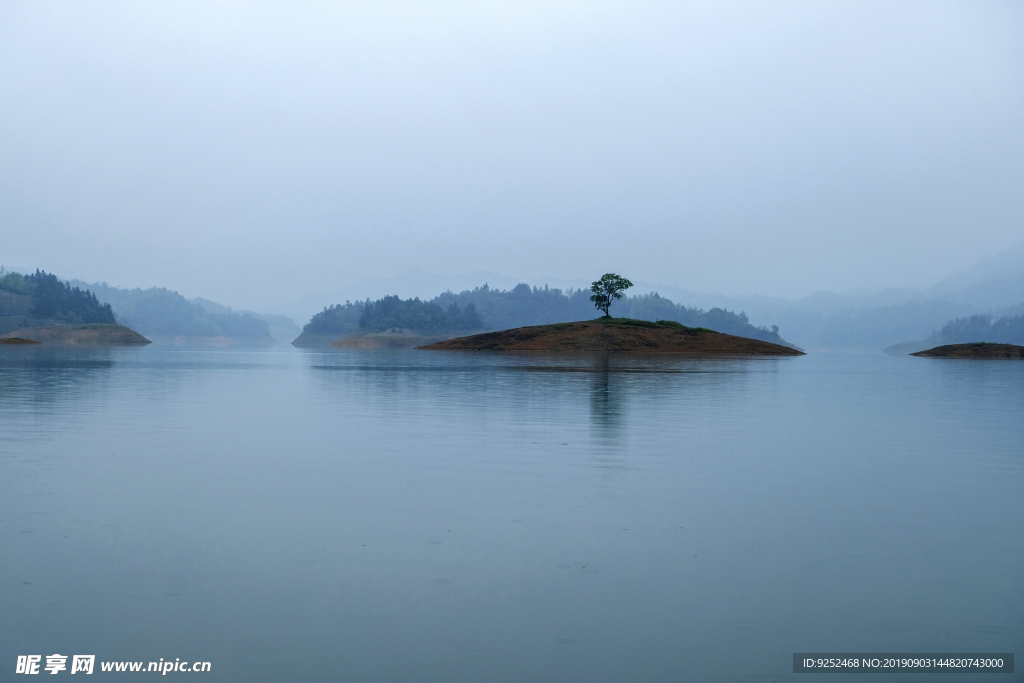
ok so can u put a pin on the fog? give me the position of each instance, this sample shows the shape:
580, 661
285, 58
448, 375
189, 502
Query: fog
255, 154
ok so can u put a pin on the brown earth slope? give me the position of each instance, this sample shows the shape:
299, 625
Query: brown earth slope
976, 350
93, 335
618, 335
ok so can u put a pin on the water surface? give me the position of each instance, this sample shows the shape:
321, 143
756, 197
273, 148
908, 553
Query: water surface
431, 516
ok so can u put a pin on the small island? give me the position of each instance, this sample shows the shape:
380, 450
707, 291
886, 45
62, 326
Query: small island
975, 350
391, 323
617, 335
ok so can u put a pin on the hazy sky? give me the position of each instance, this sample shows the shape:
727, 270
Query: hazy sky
255, 152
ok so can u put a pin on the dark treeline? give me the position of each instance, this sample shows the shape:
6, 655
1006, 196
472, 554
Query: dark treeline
336, 320
984, 328
519, 307
654, 307
55, 300
425, 317
523, 305
392, 313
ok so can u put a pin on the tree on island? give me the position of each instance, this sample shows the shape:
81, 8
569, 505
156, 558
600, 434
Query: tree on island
607, 289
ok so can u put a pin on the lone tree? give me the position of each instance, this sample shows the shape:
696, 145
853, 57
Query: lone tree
607, 289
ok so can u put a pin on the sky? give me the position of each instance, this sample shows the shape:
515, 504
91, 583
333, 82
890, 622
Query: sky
254, 153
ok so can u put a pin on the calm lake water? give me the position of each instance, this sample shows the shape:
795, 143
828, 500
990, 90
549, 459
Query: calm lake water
431, 516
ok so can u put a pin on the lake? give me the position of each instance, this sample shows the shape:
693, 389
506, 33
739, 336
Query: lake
297, 515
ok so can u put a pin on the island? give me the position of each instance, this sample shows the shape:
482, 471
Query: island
975, 350
617, 335
391, 322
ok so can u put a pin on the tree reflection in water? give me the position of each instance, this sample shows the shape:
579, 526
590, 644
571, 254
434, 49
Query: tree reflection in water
606, 400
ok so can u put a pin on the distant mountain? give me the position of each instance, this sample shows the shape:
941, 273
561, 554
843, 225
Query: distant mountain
973, 329
869, 328
878, 319
993, 282
282, 328
164, 315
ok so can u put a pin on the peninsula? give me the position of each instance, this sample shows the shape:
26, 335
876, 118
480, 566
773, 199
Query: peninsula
43, 309
95, 334
975, 350
617, 335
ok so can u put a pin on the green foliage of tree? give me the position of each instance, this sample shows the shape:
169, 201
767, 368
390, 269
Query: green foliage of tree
522, 305
423, 317
393, 313
16, 283
606, 290
56, 300
336, 320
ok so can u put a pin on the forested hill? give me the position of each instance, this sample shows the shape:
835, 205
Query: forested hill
423, 317
282, 328
1007, 329
160, 313
393, 313
521, 306
983, 328
40, 298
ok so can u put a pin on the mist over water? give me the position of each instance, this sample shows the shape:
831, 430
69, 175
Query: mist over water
387, 516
